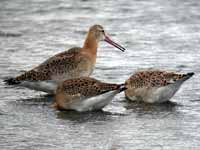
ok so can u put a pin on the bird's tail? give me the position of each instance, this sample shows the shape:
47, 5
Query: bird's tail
121, 87
190, 74
11, 81
187, 76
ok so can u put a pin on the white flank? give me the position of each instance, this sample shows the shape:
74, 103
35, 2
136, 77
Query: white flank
93, 103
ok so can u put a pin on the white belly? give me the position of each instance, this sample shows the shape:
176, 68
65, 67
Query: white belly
156, 95
49, 86
93, 103
44, 86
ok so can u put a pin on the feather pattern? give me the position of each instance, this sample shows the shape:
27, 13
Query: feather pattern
85, 93
59, 67
154, 86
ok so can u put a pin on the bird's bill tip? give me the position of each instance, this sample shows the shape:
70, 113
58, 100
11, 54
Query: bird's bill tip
108, 40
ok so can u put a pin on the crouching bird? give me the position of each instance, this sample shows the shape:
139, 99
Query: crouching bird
154, 86
85, 94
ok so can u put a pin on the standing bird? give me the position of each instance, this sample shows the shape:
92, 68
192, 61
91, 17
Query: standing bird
74, 63
85, 94
154, 86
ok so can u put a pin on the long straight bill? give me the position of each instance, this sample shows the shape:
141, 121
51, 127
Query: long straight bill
107, 39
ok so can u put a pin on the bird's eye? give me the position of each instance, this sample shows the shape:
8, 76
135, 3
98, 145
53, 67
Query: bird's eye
102, 31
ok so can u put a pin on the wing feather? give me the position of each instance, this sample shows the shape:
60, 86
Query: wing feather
59, 64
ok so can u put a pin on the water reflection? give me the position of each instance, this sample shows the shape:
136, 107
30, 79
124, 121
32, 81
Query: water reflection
45, 100
153, 110
81, 117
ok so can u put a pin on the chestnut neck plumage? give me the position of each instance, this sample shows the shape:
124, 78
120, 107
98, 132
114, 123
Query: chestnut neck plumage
90, 45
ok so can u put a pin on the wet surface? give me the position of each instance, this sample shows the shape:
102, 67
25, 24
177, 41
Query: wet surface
156, 34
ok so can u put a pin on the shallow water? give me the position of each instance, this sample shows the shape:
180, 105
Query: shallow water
157, 33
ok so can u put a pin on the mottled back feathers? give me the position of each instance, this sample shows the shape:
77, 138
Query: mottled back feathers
64, 65
86, 86
153, 78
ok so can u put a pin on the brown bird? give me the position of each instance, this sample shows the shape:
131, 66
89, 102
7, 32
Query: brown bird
74, 63
154, 86
85, 94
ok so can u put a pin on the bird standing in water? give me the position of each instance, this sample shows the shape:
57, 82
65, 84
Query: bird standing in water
85, 94
154, 86
74, 63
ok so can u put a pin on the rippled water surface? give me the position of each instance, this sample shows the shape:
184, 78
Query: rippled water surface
156, 33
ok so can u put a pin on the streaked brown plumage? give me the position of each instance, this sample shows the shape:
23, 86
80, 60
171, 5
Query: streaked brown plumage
152, 78
154, 85
74, 63
85, 93
62, 66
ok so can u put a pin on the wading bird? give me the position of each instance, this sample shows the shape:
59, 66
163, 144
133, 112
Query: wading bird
74, 63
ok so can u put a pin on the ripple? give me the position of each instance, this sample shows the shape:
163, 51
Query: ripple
159, 34
9, 34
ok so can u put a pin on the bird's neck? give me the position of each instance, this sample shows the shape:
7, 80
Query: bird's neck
90, 45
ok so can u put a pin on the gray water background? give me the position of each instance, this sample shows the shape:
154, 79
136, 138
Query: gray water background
157, 33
